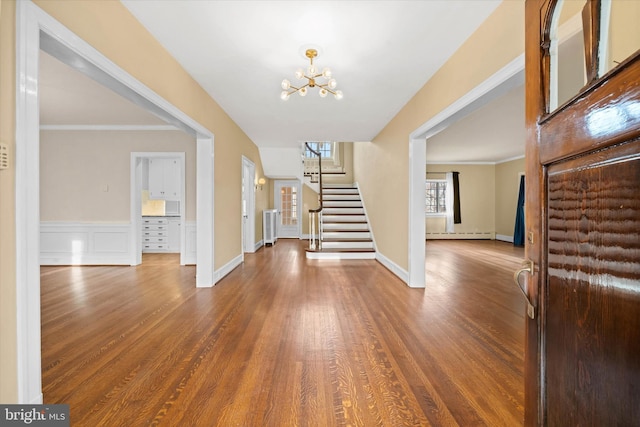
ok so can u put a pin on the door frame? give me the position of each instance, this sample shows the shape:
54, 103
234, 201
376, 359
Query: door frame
276, 204
506, 78
248, 206
552, 138
135, 239
33, 27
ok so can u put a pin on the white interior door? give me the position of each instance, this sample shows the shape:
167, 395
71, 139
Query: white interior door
288, 202
248, 206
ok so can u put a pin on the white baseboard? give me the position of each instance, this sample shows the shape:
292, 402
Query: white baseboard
259, 245
486, 235
227, 268
393, 267
504, 238
72, 243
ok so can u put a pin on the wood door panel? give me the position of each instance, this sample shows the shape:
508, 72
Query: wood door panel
608, 113
592, 307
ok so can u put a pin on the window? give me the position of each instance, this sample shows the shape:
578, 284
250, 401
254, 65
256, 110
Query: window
324, 148
435, 192
289, 204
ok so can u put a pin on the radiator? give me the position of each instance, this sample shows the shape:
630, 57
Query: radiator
269, 226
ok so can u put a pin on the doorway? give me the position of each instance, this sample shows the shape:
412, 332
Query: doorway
286, 200
172, 212
38, 29
248, 206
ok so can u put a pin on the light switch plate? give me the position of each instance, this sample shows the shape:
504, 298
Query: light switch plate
4, 156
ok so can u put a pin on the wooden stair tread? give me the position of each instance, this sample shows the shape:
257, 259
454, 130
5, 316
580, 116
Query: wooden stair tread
346, 239
344, 222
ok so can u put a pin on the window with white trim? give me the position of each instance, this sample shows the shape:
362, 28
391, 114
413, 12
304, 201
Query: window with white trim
324, 148
435, 190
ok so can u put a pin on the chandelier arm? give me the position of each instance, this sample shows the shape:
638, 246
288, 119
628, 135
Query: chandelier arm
326, 87
296, 89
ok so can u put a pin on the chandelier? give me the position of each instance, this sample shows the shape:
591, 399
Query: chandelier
328, 87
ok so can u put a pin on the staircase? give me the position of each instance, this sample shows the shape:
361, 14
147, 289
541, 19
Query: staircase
346, 233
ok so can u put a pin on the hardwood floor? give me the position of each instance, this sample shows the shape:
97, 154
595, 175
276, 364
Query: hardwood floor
286, 341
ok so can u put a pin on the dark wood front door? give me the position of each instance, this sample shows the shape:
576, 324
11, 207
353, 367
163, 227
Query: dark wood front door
583, 229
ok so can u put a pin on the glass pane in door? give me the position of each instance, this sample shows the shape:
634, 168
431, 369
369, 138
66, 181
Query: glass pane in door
289, 206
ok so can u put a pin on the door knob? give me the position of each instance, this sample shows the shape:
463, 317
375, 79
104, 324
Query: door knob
527, 266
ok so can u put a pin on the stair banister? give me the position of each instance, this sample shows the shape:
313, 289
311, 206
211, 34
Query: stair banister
318, 210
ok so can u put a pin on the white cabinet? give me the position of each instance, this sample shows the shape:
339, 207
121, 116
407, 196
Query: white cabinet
165, 179
155, 234
160, 234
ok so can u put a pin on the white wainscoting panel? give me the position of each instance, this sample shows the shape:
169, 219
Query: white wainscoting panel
68, 243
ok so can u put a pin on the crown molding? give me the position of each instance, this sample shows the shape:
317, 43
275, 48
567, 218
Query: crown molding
110, 127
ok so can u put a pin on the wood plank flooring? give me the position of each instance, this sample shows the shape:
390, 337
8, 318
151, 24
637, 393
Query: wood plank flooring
286, 341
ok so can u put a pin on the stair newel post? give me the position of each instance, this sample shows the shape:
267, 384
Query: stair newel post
318, 210
312, 236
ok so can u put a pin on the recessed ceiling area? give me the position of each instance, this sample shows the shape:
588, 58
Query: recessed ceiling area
493, 133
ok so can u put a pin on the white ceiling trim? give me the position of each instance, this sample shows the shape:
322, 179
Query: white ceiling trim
510, 159
109, 127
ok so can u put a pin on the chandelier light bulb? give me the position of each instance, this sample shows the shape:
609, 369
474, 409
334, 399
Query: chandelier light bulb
284, 95
333, 83
286, 84
299, 74
303, 91
338, 94
323, 93
326, 73
312, 70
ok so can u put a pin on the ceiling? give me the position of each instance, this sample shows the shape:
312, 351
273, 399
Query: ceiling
381, 53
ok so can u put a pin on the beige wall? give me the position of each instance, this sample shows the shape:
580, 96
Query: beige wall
624, 31
8, 336
507, 187
111, 29
477, 199
488, 197
76, 165
346, 151
381, 166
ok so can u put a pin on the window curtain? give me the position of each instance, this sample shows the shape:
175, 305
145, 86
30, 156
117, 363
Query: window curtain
518, 231
452, 201
457, 218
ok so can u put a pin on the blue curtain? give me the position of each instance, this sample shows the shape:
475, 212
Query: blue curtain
518, 232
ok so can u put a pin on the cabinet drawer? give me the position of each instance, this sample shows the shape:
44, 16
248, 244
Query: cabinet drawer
154, 221
162, 246
155, 239
154, 227
154, 233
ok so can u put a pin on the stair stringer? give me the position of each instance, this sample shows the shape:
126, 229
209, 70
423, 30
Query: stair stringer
366, 215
